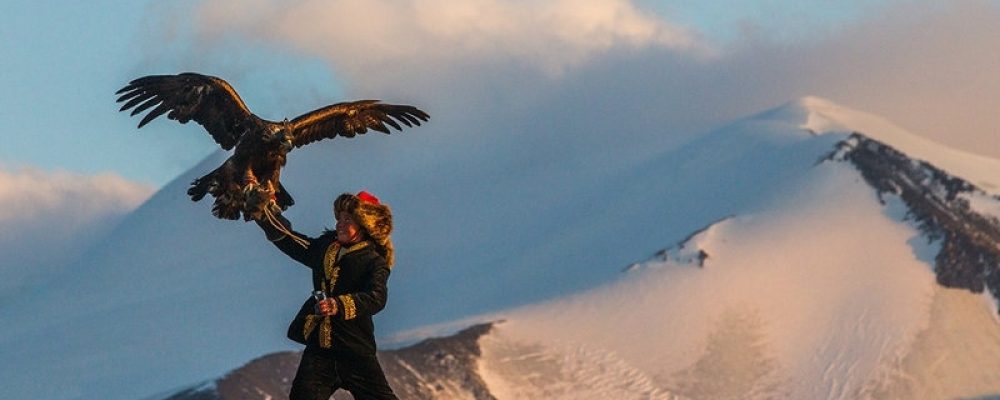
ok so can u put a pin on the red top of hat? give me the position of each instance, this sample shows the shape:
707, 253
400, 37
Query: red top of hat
367, 197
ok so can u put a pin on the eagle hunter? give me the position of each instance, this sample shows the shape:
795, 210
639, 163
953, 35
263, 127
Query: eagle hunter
247, 182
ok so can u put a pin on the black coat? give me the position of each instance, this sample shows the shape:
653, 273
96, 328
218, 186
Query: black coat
355, 276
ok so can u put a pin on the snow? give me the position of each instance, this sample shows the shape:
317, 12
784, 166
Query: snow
516, 370
957, 356
805, 266
982, 203
820, 296
823, 116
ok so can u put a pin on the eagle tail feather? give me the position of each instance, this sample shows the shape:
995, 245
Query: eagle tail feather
225, 209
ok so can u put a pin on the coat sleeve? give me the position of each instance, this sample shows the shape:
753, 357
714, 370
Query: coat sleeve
370, 299
304, 254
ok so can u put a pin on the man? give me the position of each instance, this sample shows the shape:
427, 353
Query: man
350, 267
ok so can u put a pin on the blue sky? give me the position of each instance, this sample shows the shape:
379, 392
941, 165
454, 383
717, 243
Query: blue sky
62, 62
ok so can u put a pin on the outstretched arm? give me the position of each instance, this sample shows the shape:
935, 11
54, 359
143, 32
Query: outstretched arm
281, 238
270, 231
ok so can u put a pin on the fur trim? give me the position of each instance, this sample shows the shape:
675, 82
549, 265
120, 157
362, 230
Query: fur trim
375, 219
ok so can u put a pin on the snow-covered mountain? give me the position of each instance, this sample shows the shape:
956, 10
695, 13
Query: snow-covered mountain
811, 240
860, 275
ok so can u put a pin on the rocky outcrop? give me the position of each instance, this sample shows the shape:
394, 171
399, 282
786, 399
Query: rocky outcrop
969, 255
688, 251
437, 368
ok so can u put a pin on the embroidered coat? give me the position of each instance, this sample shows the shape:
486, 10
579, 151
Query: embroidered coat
355, 276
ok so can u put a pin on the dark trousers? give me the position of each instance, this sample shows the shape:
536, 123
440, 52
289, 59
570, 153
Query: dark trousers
320, 374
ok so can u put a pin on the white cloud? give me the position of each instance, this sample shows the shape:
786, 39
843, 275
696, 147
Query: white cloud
359, 35
609, 67
50, 217
29, 194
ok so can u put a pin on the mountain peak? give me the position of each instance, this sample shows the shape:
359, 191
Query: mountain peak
820, 116
816, 105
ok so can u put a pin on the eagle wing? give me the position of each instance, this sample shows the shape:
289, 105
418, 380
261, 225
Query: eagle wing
209, 101
352, 118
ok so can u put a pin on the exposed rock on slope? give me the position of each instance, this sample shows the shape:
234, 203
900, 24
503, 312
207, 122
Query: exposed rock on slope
438, 368
938, 203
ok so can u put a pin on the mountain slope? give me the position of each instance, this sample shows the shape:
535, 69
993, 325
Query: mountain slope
821, 286
827, 290
828, 293
196, 296
437, 368
939, 203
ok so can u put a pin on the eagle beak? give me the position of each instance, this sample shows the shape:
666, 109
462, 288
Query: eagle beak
286, 141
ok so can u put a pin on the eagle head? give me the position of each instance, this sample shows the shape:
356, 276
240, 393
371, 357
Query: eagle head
279, 137
284, 136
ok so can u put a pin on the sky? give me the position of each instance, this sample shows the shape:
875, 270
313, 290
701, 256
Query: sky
63, 61
652, 74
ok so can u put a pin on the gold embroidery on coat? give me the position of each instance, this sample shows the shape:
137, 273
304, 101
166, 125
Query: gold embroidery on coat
330, 259
357, 246
332, 271
309, 326
350, 310
326, 334
333, 277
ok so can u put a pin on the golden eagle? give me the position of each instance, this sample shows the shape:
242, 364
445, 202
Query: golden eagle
247, 182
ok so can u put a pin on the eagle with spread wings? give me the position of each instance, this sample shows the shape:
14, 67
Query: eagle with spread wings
247, 183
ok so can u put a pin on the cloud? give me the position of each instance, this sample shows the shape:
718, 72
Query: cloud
930, 67
551, 35
611, 68
48, 218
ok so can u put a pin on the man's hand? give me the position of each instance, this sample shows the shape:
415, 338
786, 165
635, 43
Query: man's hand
327, 307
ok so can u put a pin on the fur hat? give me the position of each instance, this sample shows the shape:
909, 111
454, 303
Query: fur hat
374, 218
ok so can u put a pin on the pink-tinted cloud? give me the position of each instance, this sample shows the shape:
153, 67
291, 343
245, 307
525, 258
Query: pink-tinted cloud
359, 35
934, 69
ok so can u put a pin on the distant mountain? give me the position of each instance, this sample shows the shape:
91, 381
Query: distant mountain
55, 210
826, 272
811, 240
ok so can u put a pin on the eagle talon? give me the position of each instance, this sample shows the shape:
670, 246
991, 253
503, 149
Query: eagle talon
258, 201
250, 190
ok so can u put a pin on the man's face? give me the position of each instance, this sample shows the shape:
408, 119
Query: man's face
348, 231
